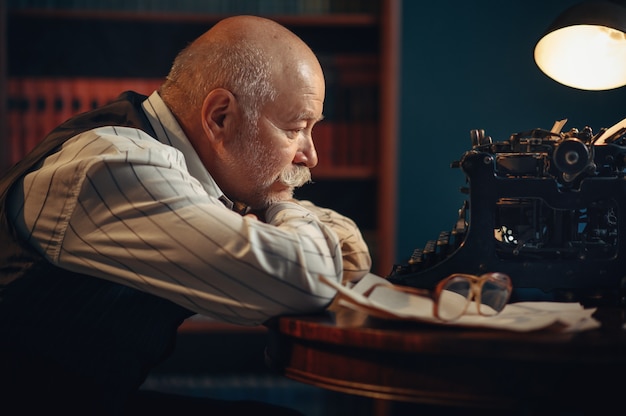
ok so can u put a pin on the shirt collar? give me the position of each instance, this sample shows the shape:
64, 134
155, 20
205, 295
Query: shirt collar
169, 132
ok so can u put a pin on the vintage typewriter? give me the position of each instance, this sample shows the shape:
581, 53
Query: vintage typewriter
546, 207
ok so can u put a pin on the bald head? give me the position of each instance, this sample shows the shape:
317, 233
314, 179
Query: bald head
257, 32
247, 94
243, 54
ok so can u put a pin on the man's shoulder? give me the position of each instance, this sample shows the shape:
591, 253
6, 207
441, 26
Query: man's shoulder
127, 143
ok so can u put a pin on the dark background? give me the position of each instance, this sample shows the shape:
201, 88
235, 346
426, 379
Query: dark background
469, 65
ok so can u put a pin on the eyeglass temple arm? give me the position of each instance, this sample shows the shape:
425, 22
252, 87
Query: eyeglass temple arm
406, 289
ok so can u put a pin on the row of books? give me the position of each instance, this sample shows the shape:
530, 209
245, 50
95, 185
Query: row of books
275, 7
346, 147
347, 136
35, 106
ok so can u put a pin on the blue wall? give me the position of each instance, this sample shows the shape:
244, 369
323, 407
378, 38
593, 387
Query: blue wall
469, 65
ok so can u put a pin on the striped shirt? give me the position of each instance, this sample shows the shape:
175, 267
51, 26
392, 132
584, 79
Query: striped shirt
118, 204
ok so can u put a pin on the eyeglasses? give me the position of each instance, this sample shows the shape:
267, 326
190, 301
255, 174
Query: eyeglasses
453, 295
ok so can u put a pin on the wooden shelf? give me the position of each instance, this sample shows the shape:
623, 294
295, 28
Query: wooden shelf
335, 19
344, 172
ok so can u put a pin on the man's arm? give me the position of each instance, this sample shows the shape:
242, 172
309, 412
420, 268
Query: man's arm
116, 204
357, 260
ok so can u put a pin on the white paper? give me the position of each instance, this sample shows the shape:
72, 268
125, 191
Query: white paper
385, 301
611, 131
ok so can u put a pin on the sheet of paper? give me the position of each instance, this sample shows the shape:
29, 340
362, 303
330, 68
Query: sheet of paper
611, 131
385, 301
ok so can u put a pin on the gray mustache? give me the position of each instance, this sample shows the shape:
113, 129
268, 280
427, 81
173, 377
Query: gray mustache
296, 176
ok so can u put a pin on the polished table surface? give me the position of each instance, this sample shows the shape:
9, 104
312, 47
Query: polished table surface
471, 368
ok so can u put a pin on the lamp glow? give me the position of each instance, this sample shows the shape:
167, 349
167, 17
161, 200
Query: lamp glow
586, 49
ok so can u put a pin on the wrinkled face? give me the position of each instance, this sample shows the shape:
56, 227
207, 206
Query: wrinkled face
273, 156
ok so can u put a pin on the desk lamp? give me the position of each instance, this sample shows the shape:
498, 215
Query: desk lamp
585, 47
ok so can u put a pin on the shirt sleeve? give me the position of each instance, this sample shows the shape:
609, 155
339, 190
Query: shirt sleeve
355, 253
116, 204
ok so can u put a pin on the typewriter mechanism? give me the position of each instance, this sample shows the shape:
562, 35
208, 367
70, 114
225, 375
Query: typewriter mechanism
546, 207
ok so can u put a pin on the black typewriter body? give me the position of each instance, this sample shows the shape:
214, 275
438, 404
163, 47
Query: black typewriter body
547, 208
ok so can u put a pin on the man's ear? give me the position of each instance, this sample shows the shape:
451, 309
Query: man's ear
218, 105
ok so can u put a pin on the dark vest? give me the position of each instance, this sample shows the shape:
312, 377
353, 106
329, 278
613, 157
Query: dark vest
77, 342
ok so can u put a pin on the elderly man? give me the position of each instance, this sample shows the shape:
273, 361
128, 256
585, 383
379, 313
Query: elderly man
128, 219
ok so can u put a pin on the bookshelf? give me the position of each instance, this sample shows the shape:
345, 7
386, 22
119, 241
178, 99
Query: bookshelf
58, 60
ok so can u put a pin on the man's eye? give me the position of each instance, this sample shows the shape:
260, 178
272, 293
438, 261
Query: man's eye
294, 133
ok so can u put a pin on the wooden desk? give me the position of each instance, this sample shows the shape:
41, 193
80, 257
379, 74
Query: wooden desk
529, 373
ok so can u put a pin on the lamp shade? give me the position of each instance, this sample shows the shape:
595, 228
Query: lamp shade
585, 47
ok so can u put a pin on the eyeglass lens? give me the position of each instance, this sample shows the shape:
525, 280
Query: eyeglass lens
457, 294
